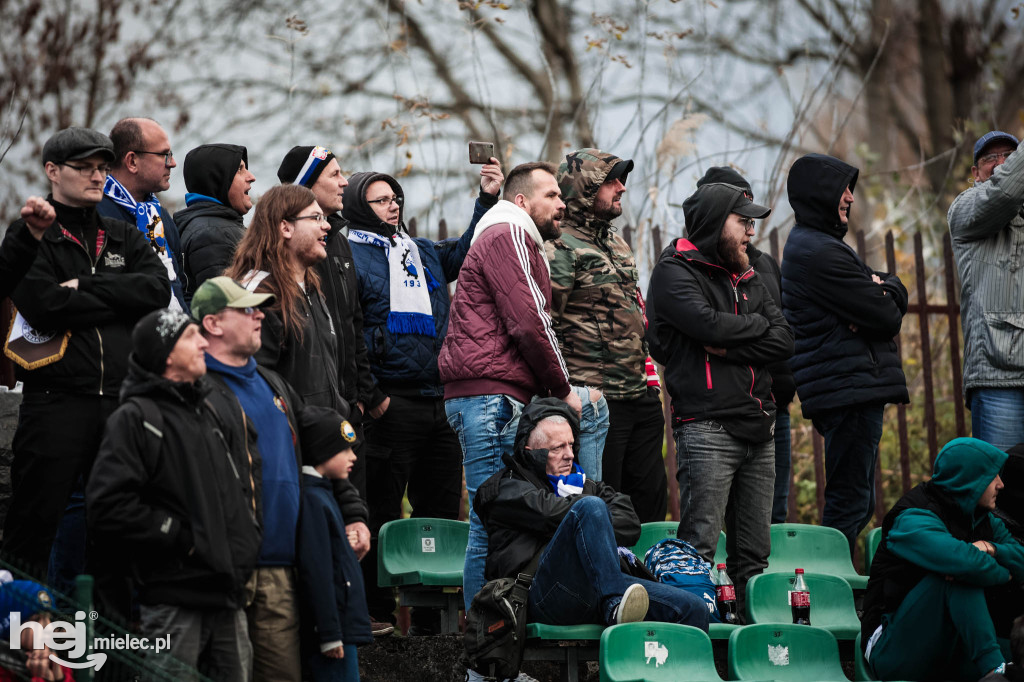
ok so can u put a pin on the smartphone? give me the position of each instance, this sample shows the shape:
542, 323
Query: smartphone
481, 152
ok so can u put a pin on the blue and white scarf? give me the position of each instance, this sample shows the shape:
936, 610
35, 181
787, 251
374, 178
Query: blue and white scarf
411, 283
148, 222
568, 484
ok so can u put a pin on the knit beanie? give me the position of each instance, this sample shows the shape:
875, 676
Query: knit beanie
324, 433
155, 336
303, 165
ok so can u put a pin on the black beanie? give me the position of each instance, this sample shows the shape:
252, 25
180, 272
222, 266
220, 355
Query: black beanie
155, 336
323, 433
303, 165
728, 176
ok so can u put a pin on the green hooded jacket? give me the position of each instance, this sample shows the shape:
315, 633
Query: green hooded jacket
596, 306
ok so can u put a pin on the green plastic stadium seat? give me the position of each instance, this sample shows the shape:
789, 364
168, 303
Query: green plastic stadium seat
816, 549
422, 552
785, 652
860, 666
656, 652
721, 630
655, 531
870, 547
563, 632
423, 558
832, 606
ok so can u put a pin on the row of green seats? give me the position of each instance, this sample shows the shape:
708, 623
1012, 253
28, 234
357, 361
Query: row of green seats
816, 549
665, 652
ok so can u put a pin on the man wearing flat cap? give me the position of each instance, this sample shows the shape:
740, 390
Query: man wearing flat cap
166, 485
265, 406
986, 223
92, 279
845, 317
718, 329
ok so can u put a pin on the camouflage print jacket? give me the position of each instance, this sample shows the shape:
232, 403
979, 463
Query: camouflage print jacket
595, 303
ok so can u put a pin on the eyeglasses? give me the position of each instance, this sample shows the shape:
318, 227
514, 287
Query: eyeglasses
992, 158
319, 218
250, 311
748, 224
87, 171
168, 155
386, 201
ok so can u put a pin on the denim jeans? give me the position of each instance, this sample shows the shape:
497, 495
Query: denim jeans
851, 451
723, 479
324, 669
486, 428
780, 503
579, 580
997, 416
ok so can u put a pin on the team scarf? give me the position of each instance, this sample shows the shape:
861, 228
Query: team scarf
148, 222
411, 282
568, 484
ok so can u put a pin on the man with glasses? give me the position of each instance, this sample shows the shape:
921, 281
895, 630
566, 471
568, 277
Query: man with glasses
403, 291
93, 279
716, 329
986, 223
142, 167
218, 181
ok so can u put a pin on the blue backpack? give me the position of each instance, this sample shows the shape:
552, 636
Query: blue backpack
675, 562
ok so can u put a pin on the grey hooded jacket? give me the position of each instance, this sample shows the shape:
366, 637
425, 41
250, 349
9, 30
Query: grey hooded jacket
987, 226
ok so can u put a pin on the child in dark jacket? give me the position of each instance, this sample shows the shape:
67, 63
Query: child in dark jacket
330, 581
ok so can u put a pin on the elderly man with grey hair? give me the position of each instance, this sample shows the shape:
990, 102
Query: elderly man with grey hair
543, 502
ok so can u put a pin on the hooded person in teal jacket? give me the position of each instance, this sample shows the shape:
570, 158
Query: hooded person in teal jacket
941, 555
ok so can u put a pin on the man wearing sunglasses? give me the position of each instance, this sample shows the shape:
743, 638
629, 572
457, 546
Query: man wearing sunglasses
986, 223
142, 166
95, 278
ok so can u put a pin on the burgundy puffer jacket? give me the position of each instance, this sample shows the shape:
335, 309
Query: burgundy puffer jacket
500, 339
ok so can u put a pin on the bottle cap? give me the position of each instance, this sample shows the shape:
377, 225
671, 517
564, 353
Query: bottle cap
800, 571
720, 566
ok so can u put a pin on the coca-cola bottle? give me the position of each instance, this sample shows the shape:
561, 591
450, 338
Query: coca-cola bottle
800, 600
725, 591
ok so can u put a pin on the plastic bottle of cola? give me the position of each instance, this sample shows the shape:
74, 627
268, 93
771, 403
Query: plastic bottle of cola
725, 591
800, 600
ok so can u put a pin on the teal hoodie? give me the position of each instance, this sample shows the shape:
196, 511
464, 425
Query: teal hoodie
963, 470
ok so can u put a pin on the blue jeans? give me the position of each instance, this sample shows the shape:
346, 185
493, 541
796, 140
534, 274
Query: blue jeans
780, 503
997, 416
725, 480
579, 580
324, 669
851, 451
486, 427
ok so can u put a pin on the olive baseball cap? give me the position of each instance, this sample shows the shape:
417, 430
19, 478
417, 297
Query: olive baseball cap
218, 293
71, 144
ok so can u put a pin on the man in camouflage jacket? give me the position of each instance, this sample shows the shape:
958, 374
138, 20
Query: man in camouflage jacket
598, 313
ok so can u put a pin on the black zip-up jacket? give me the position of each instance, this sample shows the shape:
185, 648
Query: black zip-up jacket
309, 363
178, 503
16, 255
783, 386
826, 288
519, 508
697, 302
115, 289
341, 291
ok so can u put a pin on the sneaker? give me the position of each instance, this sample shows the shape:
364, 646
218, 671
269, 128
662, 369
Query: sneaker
633, 606
380, 629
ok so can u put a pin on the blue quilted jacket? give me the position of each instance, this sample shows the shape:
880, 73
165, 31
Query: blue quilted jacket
402, 364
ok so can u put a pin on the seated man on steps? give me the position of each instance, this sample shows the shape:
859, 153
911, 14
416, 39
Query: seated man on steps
542, 501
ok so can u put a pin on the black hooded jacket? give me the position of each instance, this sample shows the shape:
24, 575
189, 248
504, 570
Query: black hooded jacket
179, 501
519, 508
693, 302
844, 323
210, 230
